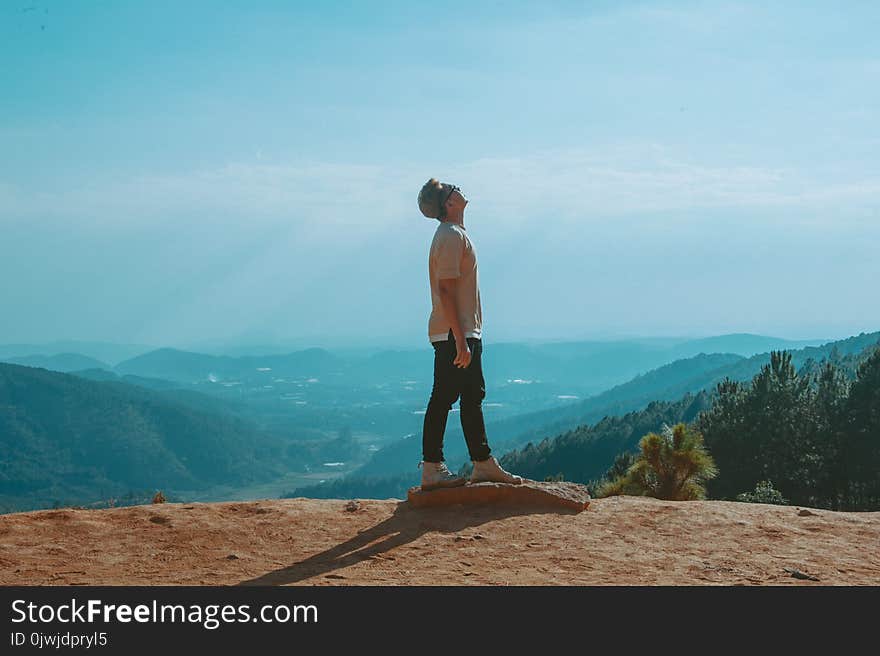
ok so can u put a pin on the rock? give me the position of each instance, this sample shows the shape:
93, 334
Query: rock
529, 493
353, 505
796, 573
806, 513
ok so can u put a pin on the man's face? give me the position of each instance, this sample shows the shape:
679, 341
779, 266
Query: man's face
456, 200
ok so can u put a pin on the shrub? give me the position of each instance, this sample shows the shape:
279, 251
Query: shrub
764, 493
673, 465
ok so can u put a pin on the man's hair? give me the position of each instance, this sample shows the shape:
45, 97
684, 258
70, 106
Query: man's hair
429, 199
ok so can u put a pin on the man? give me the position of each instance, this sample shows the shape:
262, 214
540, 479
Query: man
455, 331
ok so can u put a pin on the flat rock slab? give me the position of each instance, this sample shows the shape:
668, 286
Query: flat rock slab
529, 493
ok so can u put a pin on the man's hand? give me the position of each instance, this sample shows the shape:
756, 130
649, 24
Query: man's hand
463, 357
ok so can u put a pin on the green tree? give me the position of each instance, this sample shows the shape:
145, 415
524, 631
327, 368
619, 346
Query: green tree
673, 464
860, 438
832, 390
769, 430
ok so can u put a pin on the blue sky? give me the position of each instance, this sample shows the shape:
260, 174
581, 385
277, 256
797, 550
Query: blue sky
224, 172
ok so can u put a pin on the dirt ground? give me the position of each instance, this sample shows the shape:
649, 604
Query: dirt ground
616, 541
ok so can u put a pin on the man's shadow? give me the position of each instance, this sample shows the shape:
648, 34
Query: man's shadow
405, 525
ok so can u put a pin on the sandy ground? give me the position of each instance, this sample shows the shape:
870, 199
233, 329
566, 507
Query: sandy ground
617, 541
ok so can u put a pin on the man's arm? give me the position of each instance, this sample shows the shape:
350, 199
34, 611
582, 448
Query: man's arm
447, 288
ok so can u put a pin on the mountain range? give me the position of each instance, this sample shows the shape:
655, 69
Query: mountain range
100, 432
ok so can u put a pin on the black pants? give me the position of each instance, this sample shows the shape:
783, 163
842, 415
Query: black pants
450, 383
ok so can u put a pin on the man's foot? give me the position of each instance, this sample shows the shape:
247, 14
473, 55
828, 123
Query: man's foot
437, 474
490, 470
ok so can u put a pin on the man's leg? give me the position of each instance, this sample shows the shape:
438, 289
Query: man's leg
444, 393
473, 391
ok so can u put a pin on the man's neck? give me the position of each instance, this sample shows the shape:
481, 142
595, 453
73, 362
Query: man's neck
456, 219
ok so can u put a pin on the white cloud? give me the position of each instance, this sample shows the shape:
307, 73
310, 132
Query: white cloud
563, 184
578, 184
335, 194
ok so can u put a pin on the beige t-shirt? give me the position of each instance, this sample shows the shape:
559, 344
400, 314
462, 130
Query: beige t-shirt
453, 255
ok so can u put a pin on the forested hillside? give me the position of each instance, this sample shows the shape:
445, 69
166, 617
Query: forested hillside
812, 434
66, 439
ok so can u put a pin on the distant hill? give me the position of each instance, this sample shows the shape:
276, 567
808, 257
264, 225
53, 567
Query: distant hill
175, 393
744, 344
141, 381
109, 352
66, 438
92, 373
587, 366
184, 366
745, 369
59, 362
605, 364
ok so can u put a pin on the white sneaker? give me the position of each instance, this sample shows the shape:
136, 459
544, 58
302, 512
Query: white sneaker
437, 474
490, 470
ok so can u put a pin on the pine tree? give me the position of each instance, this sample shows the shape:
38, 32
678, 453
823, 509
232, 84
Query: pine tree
832, 390
768, 430
860, 448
